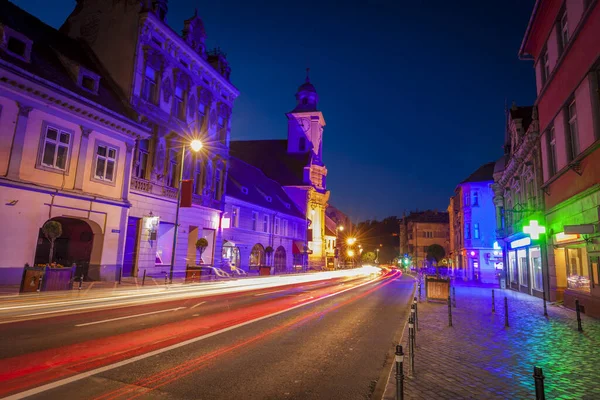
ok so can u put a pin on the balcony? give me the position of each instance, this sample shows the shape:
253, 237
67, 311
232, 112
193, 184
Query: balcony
145, 186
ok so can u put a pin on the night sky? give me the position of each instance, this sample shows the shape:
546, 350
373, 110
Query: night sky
413, 92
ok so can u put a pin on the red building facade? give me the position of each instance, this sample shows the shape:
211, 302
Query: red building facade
563, 40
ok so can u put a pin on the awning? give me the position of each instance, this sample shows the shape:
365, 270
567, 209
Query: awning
297, 247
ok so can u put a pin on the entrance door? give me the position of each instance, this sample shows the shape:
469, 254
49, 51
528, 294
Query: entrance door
131, 241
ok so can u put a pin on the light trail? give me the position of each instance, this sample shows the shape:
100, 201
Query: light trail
131, 316
99, 355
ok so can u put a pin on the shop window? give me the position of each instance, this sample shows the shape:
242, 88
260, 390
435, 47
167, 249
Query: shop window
535, 260
523, 267
578, 277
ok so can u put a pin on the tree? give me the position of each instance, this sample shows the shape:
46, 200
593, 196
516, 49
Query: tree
201, 245
52, 231
436, 253
368, 257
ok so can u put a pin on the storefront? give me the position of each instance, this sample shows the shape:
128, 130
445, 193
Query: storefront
524, 261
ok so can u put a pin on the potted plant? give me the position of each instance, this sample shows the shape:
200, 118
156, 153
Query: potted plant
52, 231
201, 245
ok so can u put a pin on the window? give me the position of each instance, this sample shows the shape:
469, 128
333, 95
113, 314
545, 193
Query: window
302, 144
563, 30
266, 223
198, 176
284, 227
179, 107
222, 132
466, 199
535, 262
276, 226
254, 220
16, 46
467, 231
476, 231
573, 133
141, 163
56, 147
201, 114
428, 234
106, 161
475, 198
88, 83
172, 173
218, 184
545, 66
551, 152
578, 276
295, 230
235, 217
149, 85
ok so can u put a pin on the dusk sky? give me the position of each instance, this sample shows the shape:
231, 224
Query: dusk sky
413, 92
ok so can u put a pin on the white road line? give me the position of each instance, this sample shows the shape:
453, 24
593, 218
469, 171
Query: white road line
196, 305
75, 378
275, 291
129, 316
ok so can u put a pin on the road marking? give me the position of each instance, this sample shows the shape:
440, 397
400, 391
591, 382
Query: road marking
129, 316
199, 304
275, 291
75, 378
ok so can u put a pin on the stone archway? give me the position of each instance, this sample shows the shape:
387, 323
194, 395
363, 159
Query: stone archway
80, 243
279, 259
257, 257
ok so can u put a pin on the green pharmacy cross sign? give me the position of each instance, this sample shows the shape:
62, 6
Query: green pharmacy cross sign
534, 229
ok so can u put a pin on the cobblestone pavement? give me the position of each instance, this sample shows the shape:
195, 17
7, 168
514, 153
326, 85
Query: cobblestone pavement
478, 358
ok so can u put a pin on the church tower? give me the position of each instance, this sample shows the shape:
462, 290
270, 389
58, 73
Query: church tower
306, 122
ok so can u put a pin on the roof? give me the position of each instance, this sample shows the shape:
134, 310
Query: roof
482, 174
49, 45
330, 226
522, 51
242, 176
522, 113
272, 157
500, 164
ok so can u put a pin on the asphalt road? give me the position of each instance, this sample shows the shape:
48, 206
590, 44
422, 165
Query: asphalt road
333, 348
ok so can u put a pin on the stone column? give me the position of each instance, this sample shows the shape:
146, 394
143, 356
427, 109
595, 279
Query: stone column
127, 170
82, 158
18, 143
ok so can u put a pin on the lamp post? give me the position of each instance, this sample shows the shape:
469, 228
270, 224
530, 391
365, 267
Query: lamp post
377, 258
338, 228
196, 145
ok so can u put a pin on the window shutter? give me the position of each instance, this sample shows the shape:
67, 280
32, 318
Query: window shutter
187, 188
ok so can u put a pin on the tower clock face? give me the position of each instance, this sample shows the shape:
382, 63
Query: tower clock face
305, 124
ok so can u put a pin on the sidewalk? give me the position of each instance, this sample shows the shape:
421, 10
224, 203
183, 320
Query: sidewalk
478, 358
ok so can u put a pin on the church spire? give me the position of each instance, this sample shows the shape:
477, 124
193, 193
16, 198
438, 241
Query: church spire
306, 95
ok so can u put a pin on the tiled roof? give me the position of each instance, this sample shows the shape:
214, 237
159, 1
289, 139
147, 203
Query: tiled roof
272, 158
49, 45
247, 183
482, 174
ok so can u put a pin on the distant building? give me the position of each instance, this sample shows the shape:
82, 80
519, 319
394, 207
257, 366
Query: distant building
421, 229
180, 91
474, 251
258, 215
519, 199
66, 147
562, 40
297, 164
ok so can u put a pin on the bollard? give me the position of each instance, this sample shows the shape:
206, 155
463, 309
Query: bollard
449, 312
80, 282
416, 313
578, 311
453, 297
120, 274
545, 309
419, 291
505, 312
493, 302
413, 315
538, 376
399, 373
166, 279
39, 288
411, 345
144, 278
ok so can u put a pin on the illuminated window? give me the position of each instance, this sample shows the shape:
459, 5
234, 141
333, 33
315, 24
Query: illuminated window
476, 231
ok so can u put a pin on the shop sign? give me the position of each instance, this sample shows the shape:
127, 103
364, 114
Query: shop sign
582, 229
520, 243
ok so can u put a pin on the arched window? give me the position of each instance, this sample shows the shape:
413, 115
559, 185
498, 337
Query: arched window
302, 144
257, 256
279, 259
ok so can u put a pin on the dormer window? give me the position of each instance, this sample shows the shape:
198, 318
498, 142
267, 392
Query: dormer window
88, 80
244, 190
16, 44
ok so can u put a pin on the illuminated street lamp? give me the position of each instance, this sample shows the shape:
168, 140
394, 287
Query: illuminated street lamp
350, 253
351, 241
196, 146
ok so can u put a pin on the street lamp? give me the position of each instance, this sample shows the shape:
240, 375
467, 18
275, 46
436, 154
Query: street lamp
377, 258
196, 146
350, 241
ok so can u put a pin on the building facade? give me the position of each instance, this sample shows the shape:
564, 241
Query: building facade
297, 164
474, 252
66, 148
181, 92
259, 215
562, 41
421, 229
518, 199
